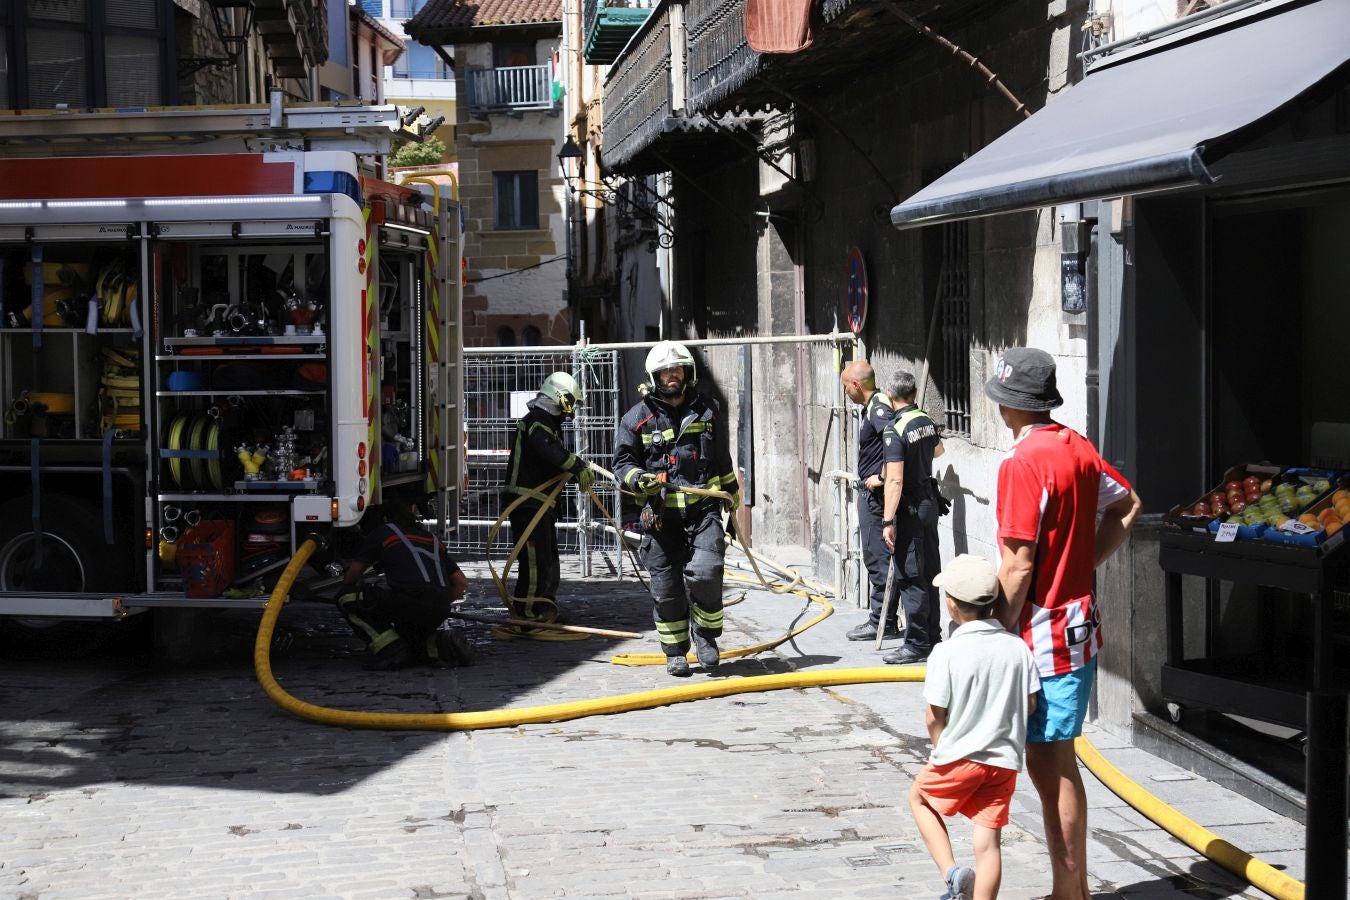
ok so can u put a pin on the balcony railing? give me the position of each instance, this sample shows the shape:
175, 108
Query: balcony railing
510, 88
432, 74
638, 93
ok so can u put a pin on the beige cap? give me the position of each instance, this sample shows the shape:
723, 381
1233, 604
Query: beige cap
969, 578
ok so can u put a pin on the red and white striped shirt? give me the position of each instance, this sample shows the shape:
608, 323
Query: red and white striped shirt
1051, 486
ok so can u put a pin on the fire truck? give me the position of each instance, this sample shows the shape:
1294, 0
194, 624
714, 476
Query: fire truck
219, 333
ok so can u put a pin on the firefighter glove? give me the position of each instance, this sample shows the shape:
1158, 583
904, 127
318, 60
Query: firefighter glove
585, 478
732, 503
647, 484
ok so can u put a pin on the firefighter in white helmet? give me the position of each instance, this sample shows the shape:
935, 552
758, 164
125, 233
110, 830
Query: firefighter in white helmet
673, 438
538, 454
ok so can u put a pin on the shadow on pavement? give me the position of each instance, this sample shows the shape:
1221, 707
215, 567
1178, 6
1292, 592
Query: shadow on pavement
109, 714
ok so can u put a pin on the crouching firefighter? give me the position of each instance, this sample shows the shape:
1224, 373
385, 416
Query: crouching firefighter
400, 619
539, 455
673, 439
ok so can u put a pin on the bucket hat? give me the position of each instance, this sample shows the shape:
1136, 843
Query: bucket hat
1024, 378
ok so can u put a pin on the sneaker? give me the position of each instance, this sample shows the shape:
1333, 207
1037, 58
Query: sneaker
677, 666
960, 883
905, 656
868, 632
394, 656
705, 648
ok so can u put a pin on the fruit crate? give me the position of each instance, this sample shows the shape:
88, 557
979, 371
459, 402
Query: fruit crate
1327, 537
1188, 517
206, 558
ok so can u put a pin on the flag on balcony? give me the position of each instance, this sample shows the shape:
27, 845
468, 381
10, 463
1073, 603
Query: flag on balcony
778, 26
557, 77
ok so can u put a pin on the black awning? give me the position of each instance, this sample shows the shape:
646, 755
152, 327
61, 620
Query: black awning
1142, 124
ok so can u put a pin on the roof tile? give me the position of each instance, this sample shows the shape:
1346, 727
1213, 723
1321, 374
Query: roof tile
442, 15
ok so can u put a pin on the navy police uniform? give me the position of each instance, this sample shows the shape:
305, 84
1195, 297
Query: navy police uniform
912, 439
877, 416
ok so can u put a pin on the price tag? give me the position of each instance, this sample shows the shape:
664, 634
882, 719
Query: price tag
1296, 527
1227, 532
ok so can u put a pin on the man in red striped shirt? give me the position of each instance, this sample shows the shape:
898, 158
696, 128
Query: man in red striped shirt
1052, 488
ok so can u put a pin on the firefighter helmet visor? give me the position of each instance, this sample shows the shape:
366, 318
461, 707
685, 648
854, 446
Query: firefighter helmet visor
563, 389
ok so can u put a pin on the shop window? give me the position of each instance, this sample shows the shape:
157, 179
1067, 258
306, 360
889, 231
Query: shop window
56, 68
133, 70
532, 336
515, 200
4, 68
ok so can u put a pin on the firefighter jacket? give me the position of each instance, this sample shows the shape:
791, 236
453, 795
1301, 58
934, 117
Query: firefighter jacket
537, 454
684, 445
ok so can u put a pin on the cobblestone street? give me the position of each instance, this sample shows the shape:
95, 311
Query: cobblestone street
118, 780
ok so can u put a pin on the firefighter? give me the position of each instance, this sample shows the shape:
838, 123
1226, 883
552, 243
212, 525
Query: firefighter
400, 619
674, 438
538, 454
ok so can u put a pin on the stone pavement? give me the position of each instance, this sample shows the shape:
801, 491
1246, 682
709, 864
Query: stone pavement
121, 780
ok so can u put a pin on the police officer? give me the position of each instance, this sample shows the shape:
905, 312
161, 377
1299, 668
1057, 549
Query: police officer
674, 438
909, 528
538, 454
400, 618
860, 384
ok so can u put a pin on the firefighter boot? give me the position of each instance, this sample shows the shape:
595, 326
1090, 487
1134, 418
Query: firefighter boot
705, 648
677, 666
393, 655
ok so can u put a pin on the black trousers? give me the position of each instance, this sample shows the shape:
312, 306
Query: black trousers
876, 555
539, 572
684, 563
917, 561
378, 614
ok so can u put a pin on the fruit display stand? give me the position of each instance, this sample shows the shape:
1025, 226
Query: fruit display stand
1269, 687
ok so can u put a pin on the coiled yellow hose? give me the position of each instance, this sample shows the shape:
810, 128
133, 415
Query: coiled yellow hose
1203, 841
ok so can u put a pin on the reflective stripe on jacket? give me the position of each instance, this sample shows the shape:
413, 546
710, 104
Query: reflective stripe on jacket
688, 444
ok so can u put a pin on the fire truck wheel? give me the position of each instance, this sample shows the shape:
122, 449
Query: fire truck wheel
74, 556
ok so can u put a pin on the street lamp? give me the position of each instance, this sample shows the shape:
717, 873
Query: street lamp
233, 20
568, 156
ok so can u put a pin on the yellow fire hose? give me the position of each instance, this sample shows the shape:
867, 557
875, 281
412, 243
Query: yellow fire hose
1200, 839
1189, 832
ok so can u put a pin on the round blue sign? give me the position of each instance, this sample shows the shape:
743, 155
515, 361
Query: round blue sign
856, 291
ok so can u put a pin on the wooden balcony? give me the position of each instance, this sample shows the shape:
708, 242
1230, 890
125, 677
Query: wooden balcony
638, 92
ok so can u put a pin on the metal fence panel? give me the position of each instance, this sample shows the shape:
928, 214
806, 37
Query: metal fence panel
497, 385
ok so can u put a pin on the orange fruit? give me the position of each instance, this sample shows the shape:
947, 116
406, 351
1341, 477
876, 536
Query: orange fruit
1332, 528
1340, 494
1308, 519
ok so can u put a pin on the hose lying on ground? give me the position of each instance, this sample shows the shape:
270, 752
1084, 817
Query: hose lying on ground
1259, 874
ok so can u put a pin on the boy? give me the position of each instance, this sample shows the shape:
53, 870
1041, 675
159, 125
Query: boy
980, 686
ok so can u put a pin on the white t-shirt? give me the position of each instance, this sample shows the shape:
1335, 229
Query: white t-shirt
982, 676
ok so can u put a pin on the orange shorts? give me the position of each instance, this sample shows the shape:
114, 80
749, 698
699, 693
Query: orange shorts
981, 793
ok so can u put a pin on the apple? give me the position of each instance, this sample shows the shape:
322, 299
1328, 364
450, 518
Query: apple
1235, 495
1253, 496
1200, 509
1216, 498
1231, 486
1239, 506
1251, 483
1266, 485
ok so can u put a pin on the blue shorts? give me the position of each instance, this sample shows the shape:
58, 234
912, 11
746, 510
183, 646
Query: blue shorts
1061, 706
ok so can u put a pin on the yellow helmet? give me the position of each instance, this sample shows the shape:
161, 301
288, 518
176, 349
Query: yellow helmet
563, 389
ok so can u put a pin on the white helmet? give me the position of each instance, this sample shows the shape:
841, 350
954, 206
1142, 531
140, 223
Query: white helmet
563, 389
667, 354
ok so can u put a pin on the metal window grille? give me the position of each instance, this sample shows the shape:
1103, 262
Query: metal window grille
491, 380
954, 295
